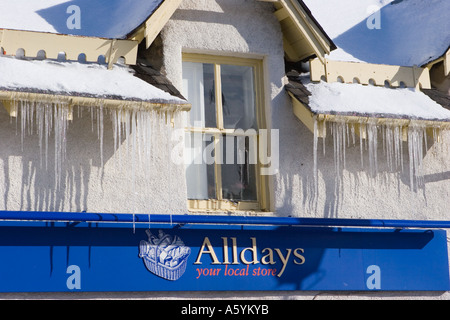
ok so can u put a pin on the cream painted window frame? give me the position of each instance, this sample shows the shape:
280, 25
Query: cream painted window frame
219, 204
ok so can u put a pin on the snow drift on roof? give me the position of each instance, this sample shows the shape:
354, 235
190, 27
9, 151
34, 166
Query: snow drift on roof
73, 78
411, 32
361, 100
99, 18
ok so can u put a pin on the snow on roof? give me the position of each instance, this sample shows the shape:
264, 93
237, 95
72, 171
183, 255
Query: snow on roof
403, 32
99, 18
73, 78
361, 100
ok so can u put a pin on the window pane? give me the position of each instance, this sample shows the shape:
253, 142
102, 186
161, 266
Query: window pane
210, 96
199, 152
238, 97
199, 90
238, 170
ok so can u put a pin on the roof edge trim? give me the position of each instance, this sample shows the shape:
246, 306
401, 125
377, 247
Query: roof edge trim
370, 73
301, 28
12, 97
150, 29
32, 42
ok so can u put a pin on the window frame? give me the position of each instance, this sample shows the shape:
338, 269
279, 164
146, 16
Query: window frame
220, 204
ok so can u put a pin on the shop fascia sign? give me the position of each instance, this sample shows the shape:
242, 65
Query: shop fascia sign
119, 257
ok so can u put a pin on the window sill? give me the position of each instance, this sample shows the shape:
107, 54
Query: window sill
222, 206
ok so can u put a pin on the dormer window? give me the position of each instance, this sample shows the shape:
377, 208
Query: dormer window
222, 172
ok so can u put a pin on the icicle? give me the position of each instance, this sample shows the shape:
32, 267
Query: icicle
392, 134
389, 147
61, 112
315, 172
424, 135
100, 130
340, 133
324, 134
401, 145
23, 122
353, 134
44, 117
416, 136
362, 134
344, 131
411, 138
40, 128
140, 130
397, 146
133, 134
169, 163
372, 137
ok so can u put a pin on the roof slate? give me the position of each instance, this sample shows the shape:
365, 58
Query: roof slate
438, 96
296, 87
148, 74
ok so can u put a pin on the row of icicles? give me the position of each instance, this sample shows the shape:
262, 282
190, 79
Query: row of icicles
142, 130
139, 130
368, 135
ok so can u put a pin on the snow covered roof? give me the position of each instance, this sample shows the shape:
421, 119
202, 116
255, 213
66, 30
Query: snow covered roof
401, 32
366, 101
357, 99
79, 80
113, 19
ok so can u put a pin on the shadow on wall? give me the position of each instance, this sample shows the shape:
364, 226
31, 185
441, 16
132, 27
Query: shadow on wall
296, 178
42, 187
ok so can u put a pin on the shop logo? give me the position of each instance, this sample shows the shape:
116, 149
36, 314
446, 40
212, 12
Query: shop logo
164, 255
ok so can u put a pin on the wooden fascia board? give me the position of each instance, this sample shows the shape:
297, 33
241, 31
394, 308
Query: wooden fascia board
156, 22
447, 63
302, 113
324, 43
365, 73
445, 59
307, 28
319, 44
307, 117
33, 42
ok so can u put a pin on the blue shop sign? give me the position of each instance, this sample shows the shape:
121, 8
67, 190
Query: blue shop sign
56, 257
